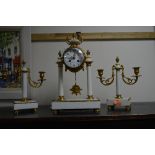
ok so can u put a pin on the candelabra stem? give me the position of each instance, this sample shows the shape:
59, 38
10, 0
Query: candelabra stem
24, 82
117, 84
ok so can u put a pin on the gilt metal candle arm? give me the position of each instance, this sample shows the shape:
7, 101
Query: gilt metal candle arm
127, 80
39, 83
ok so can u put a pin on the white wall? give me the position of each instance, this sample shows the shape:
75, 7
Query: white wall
131, 53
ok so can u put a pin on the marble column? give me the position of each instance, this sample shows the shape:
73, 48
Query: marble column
24, 82
60, 81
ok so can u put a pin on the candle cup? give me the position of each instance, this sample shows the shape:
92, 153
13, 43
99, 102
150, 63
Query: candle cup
136, 70
100, 72
42, 75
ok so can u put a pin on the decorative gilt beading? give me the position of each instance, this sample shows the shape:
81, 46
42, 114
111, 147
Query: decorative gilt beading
88, 59
61, 98
60, 60
90, 97
25, 100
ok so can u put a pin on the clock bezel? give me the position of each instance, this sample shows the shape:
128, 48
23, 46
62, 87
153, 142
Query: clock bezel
76, 69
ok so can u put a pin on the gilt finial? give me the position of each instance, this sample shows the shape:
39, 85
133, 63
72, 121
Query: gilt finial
117, 59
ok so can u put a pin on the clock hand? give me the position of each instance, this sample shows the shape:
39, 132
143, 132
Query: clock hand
74, 56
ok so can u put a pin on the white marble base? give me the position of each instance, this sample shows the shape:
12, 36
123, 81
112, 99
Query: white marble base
125, 103
75, 104
19, 105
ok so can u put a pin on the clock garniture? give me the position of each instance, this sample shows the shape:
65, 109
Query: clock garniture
119, 101
74, 59
25, 103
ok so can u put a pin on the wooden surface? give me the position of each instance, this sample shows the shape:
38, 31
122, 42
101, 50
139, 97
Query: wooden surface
102, 36
142, 115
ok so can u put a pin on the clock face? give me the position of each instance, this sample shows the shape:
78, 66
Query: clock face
73, 57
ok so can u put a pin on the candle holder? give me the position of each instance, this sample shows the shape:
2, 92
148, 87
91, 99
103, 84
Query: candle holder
119, 101
40, 80
24, 102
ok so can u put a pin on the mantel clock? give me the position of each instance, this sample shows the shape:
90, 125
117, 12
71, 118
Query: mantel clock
75, 59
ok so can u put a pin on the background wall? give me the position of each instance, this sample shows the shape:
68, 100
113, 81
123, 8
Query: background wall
131, 53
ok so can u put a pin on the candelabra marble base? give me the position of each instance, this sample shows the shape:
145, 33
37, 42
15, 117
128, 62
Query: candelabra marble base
114, 104
24, 105
76, 105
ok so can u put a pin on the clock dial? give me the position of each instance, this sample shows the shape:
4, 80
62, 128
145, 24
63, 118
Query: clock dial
73, 57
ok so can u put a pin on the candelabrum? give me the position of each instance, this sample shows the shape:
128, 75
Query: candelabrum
118, 68
26, 78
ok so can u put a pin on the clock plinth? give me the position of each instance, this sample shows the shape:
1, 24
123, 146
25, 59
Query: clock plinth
83, 104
